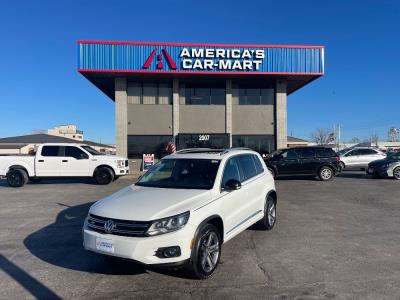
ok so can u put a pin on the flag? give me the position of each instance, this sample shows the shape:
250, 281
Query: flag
331, 137
171, 147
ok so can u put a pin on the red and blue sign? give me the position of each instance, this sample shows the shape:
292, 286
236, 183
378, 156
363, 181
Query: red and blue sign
135, 57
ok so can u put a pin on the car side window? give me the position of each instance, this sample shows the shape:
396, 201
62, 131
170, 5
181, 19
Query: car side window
353, 153
306, 153
368, 151
248, 166
325, 152
231, 171
75, 152
51, 151
290, 154
258, 164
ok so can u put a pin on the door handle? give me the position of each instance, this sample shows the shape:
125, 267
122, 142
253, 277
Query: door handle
64, 160
40, 160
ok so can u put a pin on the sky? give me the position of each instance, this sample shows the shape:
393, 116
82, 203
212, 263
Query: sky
41, 88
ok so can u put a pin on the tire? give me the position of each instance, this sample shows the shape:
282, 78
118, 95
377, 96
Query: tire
103, 176
325, 173
17, 177
272, 171
342, 165
207, 243
35, 179
269, 219
396, 173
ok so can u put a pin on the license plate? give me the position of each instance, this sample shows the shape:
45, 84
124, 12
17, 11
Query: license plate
105, 245
370, 170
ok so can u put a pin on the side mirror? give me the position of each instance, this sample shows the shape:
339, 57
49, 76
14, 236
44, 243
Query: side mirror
83, 156
233, 184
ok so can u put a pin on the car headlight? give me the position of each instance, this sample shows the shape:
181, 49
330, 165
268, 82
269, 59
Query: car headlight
120, 163
168, 224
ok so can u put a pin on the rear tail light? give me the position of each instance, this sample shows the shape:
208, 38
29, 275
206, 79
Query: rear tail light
337, 158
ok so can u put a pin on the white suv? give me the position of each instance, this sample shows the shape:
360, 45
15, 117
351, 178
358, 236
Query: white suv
359, 157
183, 209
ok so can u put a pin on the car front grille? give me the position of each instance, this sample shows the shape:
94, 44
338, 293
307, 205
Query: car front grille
117, 226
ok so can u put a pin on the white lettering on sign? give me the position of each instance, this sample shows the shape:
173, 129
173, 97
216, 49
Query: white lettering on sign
222, 59
204, 137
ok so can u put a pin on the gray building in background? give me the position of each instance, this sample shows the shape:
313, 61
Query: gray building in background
198, 95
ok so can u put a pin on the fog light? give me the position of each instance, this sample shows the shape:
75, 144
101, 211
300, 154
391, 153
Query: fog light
168, 252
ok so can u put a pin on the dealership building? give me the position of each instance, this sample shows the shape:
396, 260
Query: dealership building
198, 95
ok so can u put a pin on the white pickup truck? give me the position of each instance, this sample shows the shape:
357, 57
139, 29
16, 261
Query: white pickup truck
62, 160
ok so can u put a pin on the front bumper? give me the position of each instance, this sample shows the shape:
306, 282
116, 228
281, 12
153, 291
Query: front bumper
122, 171
382, 172
141, 249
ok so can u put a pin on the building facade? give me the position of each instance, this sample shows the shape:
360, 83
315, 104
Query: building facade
69, 131
198, 95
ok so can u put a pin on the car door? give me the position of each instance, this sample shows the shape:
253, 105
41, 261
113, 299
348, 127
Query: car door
352, 158
48, 161
289, 163
233, 201
75, 162
308, 161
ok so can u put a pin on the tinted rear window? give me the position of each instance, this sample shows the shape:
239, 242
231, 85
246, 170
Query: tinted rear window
325, 153
51, 151
306, 153
248, 166
257, 162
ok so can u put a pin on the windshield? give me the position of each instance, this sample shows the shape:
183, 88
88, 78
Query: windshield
343, 151
394, 155
91, 150
181, 174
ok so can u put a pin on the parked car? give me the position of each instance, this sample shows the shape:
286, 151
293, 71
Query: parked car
317, 161
387, 167
181, 211
62, 160
359, 157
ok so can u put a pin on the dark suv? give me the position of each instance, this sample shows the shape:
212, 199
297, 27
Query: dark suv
318, 161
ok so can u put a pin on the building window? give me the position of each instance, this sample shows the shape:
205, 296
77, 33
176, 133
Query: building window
149, 93
253, 96
204, 95
147, 144
202, 140
263, 144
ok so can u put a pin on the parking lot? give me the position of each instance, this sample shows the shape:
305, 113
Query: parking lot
337, 239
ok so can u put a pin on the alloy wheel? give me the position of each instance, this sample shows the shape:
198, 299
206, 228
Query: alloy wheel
396, 173
271, 214
210, 250
326, 173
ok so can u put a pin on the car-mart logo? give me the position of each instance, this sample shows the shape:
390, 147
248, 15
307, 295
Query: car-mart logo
213, 59
160, 64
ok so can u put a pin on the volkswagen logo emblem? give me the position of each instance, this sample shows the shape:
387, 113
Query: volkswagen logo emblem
109, 226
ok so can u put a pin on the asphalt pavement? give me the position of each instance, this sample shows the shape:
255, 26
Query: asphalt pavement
332, 240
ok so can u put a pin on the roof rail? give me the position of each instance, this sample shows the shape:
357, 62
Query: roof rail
198, 150
235, 148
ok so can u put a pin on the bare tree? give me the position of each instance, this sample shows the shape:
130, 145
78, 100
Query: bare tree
374, 140
320, 136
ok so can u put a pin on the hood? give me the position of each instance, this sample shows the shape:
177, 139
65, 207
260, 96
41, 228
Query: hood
138, 203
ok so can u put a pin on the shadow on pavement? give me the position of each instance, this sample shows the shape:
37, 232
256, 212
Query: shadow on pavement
60, 244
72, 180
31, 284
